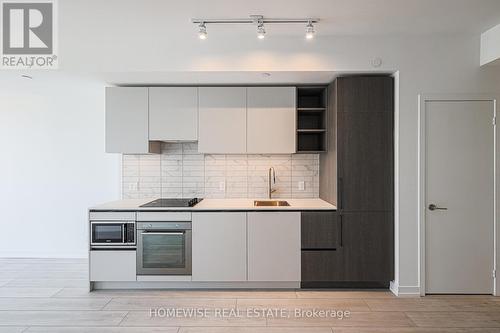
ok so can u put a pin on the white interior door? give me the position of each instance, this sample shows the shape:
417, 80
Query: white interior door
459, 231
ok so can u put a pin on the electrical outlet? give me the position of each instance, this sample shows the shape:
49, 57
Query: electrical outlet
222, 186
302, 185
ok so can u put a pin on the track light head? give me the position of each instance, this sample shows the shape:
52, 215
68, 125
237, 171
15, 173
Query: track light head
261, 31
309, 30
202, 32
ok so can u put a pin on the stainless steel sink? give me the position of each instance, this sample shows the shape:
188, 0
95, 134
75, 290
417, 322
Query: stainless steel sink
276, 203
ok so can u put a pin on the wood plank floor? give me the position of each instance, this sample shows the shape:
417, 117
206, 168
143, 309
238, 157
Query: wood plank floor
50, 295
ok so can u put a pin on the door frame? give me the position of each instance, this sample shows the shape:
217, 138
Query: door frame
422, 153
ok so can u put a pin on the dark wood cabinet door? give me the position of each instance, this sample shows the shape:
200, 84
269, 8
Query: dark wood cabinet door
368, 252
322, 266
365, 161
320, 230
365, 94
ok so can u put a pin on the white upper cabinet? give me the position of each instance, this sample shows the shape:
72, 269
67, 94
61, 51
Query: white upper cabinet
173, 113
127, 121
273, 246
222, 120
271, 120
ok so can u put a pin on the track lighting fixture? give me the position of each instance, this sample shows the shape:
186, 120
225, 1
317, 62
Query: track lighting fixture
202, 32
310, 30
257, 20
261, 32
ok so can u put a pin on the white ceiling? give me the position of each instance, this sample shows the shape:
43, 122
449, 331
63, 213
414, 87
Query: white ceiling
154, 41
338, 17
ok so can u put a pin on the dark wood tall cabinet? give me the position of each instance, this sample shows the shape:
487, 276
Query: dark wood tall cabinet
357, 176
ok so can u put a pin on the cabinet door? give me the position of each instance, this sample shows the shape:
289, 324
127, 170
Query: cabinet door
365, 161
219, 246
274, 246
368, 241
112, 265
365, 94
222, 120
127, 120
322, 266
320, 230
173, 113
271, 120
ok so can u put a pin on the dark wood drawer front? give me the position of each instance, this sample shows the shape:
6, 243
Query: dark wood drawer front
320, 230
320, 266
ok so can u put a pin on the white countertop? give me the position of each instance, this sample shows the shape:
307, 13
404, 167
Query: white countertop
219, 204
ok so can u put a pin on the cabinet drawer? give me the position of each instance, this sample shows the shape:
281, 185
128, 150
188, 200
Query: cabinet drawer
163, 216
322, 266
112, 265
112, 216
320, 230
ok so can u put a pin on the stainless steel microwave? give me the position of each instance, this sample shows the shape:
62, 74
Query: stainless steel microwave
112, 233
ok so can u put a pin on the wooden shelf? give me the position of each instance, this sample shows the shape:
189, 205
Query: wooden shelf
311, 109
311, 130
311, 151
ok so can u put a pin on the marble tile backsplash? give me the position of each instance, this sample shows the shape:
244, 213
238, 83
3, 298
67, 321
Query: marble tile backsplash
180, 171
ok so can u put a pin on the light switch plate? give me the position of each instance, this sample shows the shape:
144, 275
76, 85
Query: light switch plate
301, 185
222, 186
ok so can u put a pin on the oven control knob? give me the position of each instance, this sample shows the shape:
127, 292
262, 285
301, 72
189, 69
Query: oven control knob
150, 225
177, 226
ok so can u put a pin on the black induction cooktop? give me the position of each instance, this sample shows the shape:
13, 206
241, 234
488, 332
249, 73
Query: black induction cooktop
174, 202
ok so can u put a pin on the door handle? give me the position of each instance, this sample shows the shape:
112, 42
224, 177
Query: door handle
434, 207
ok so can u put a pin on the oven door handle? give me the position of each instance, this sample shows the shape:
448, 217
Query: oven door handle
161, 233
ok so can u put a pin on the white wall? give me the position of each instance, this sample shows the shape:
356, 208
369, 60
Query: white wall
53, 164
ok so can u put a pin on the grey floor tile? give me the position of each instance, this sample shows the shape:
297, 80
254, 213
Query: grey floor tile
27, 292
146, 303
144, 318
61, 318
45, 304
102, 330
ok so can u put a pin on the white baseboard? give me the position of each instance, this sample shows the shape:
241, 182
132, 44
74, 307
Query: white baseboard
195, 285
394, 287
402, 291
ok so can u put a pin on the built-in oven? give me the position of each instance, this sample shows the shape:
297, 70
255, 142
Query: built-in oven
112, 234
164, 248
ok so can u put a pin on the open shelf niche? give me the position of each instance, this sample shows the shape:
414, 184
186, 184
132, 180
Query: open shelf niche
311, 119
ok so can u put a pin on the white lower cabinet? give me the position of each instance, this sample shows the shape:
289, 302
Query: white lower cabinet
274, 246
219, 246
112, 265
